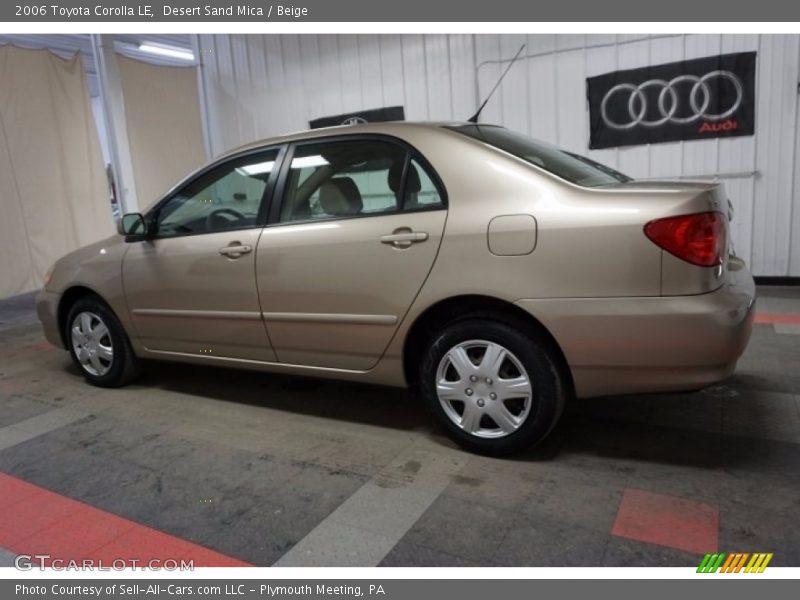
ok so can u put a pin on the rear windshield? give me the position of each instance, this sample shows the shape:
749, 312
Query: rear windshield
572, 167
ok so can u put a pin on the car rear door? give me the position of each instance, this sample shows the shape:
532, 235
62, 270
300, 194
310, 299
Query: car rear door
348, 248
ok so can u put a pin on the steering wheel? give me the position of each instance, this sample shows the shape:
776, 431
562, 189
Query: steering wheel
223, 217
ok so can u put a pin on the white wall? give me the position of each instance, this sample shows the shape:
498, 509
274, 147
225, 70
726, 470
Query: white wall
257, 86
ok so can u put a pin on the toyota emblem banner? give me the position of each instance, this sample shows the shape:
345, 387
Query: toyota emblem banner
375, 115
687, 100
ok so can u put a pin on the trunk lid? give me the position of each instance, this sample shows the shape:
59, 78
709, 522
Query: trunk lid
675, 199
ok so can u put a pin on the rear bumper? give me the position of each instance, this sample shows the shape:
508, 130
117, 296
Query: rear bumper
653, 344
47, 311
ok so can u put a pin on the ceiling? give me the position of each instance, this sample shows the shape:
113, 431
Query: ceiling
127, 45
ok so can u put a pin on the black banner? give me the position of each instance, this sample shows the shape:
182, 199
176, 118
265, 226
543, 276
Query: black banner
375, 115
687, 100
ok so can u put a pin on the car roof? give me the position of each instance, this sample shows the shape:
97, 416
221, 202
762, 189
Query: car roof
386, 127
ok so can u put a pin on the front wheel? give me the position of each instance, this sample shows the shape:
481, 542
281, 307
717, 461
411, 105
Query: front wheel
99, 345
494, 387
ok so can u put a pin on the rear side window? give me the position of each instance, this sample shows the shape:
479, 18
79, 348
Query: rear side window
421, 192
567, 165
351, 178
342, 179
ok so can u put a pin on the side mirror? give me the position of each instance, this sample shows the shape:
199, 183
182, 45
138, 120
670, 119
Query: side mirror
133, 227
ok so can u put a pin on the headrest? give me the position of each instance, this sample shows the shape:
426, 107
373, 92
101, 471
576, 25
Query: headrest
340, 197
396, 177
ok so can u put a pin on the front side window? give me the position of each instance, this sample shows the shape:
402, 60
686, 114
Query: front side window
572, 167
343, 179
227, 197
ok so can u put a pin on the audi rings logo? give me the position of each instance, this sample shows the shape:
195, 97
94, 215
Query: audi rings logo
673, 95
692, 99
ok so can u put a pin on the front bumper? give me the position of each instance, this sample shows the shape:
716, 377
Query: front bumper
47, 311
652, 344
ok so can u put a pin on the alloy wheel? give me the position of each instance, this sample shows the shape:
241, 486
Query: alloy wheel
91, 342
484, 389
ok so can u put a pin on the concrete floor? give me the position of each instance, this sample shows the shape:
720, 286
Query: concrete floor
288, 471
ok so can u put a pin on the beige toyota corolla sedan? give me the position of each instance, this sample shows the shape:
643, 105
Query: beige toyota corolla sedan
497, 275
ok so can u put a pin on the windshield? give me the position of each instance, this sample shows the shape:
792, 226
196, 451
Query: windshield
572, 167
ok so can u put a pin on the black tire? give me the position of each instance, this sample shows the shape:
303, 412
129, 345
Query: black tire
537, 357
124, 365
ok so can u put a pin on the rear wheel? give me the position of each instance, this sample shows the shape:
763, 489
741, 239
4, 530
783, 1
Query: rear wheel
99, 345
494, 387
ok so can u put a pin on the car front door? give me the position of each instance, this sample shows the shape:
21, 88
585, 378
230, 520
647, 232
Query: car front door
190, 287
348, 249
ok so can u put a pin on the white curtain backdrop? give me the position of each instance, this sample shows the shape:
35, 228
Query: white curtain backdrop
53, 190
164, 127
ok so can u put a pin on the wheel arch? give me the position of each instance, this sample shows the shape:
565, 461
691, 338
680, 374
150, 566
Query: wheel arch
468, 306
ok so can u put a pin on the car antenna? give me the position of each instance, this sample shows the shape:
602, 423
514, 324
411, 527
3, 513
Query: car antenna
474, 118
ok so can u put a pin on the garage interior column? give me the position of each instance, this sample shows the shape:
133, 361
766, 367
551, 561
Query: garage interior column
114, 115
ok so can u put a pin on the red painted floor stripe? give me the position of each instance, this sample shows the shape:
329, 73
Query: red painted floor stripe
12, 490
667, 521
782, 318
34, 520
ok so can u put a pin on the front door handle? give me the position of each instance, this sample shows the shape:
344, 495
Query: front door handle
235, 250
403, 238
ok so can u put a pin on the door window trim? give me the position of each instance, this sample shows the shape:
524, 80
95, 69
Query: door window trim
266, 196
412, 153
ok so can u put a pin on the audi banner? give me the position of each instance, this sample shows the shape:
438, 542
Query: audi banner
687, 100
375, 115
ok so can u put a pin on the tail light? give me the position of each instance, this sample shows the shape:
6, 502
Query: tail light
700, 239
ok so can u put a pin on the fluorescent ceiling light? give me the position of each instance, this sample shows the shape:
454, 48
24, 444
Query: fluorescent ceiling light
258, 168
308, 161
170, 51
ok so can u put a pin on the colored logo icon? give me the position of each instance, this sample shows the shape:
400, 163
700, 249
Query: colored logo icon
735, 562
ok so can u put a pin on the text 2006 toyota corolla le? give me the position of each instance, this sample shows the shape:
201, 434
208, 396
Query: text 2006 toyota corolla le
498, 275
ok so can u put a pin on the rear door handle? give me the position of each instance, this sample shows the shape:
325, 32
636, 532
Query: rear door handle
404, 239
235, 250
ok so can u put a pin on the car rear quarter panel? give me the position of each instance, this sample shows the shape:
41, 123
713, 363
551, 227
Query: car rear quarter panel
590, 244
